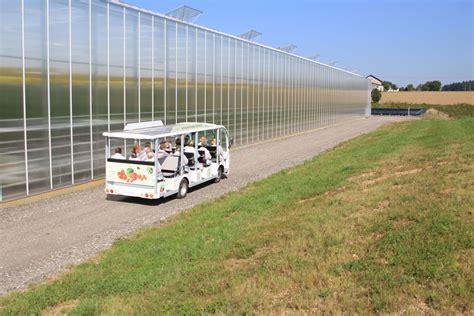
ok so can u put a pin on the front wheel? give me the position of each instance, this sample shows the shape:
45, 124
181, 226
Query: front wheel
183, 189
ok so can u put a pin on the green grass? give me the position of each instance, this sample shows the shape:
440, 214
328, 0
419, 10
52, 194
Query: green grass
382, 223
455, 111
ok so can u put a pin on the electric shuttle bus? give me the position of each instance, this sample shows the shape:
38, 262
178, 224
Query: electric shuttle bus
151, 160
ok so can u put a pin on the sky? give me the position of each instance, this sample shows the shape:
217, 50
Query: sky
400, 41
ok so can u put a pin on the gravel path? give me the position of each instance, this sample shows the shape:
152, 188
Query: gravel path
40, 239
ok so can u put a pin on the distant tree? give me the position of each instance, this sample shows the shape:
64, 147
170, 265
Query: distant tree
394, 86
376, 95
419, 87
410, 87
434, 85
386, 85
459, 86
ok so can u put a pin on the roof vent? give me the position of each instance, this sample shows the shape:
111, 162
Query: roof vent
185, 14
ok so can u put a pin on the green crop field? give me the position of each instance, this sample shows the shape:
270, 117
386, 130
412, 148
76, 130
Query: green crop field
382, 223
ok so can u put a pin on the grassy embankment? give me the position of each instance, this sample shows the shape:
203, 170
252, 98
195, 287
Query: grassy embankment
453, 111
381, 223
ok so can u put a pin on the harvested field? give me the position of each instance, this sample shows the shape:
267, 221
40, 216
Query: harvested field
428, 97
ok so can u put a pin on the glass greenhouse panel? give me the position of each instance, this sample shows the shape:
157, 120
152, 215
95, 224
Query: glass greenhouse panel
88, 66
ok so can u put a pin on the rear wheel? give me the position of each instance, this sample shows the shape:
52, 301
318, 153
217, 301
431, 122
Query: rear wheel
183, 189
219, 174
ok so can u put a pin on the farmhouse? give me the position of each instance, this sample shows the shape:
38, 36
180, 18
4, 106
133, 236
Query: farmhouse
376, 82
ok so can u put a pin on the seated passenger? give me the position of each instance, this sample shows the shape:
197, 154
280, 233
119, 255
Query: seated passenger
204, 156
203, 141
168, 146
177, 153
189, 148
118, 154
190, 153
219, 148
163, 150
146, 149
150, 156
135, 152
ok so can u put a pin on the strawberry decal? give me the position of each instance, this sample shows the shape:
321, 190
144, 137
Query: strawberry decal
130, 175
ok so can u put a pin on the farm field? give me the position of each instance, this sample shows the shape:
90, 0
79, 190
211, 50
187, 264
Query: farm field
428, 97
382, 223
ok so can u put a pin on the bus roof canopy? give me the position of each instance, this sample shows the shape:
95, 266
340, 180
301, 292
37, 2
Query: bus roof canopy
162, 131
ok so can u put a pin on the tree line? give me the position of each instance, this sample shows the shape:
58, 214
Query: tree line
436, 85
459, 86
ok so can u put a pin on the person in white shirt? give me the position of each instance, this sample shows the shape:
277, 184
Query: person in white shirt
150, 156
118, 154
219, 148
177, 153
205, 155
143, 154
189, 148
163, 151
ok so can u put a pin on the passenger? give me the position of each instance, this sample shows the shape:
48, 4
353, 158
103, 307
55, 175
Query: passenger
135, 152
118, 154
150, 156
177, 153
169, 149
163, 151
204, 156
214, 143
144, 152
203, 141
189, 148
147, 152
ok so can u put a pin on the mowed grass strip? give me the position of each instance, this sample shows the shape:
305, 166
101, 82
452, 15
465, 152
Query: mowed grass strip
382, 223
461, 110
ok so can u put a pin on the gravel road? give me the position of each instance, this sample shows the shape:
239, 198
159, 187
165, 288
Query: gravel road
40, 239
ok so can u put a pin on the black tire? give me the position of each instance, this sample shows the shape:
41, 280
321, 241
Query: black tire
219, 174
183, 189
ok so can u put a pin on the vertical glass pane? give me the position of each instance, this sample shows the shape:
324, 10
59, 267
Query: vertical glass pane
201, 78
116, 70
245, 93
209, 91
99, 83
225, 82
146, 59
181, 74
159, 67
116, 67
59, 99
37, 96
192, 83
238, 93
12, 156
80, 90
218, 80
131, 66
170, 108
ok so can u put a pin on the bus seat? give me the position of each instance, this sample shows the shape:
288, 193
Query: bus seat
170, 166
190, 157
213, 151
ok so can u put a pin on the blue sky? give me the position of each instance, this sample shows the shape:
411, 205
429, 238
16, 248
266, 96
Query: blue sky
399, 41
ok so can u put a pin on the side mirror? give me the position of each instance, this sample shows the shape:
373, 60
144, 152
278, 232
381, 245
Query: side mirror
231, 142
